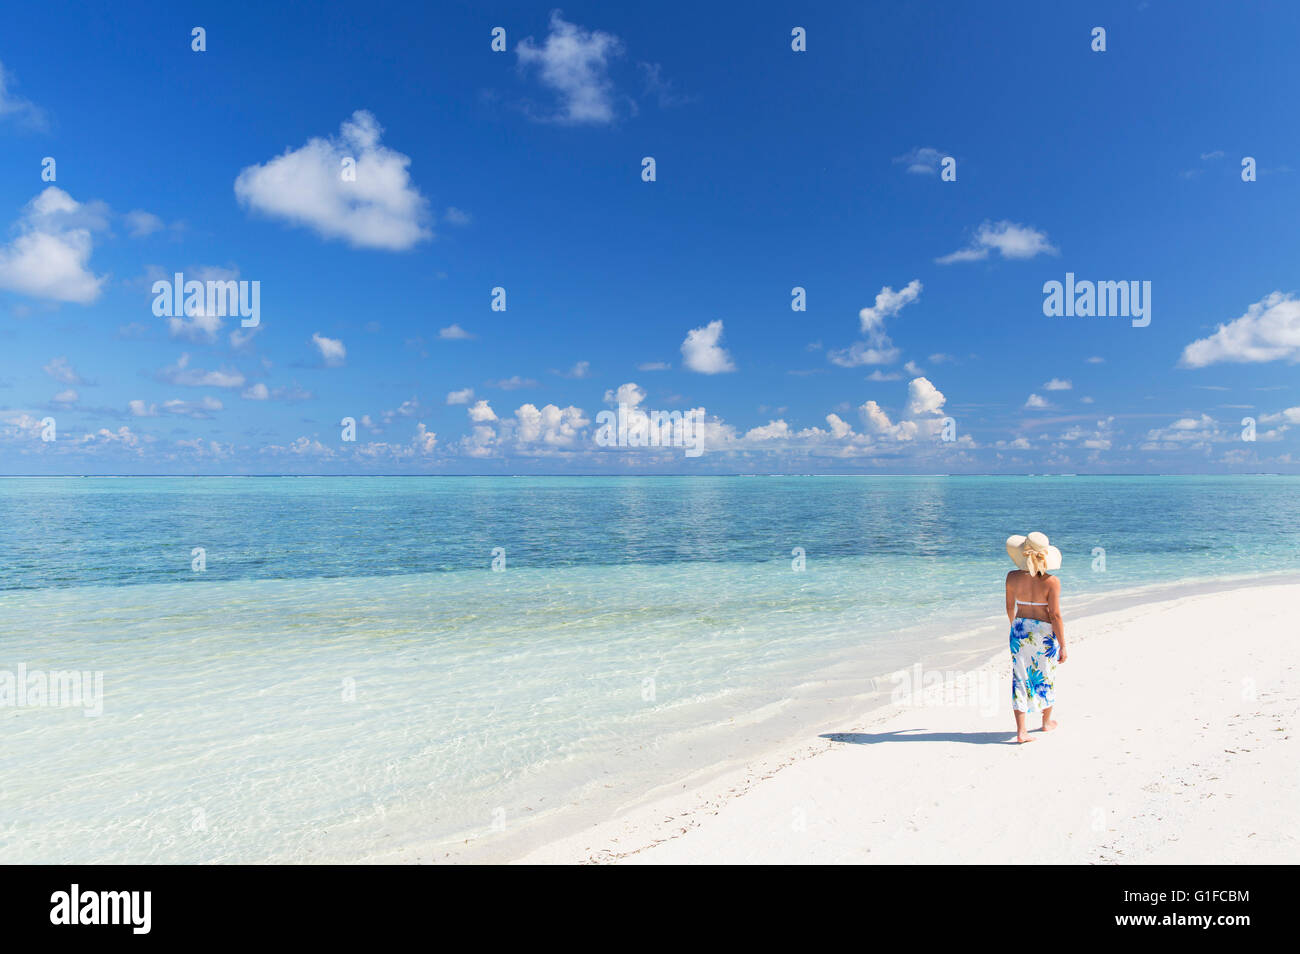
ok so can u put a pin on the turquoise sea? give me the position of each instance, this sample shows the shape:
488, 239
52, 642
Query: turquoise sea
346, 677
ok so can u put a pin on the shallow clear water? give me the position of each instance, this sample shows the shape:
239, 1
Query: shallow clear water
348, 675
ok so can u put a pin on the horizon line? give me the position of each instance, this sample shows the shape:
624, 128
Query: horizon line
514, 476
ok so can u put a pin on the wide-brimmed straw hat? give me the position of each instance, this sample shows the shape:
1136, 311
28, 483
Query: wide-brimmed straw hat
1018, 547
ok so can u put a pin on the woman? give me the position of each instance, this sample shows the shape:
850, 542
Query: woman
1037, 630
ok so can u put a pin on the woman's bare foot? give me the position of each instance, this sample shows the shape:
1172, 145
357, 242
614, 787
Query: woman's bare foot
1024, 737
1049, 725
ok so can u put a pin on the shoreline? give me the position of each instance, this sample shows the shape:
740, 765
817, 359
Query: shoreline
718, 814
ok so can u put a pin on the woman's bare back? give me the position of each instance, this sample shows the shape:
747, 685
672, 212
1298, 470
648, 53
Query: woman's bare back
1030, 589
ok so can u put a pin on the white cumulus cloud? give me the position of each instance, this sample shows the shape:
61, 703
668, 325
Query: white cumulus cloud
921, 415
378, 208
50, 257
701, 351
923, 398
550, 425
630, 394
878, 348
1268, 331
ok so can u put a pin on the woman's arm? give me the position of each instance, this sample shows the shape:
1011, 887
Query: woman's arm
1011, 600
1054, 614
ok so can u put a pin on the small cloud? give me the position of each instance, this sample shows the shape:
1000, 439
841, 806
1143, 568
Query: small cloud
199, 409
454, 333
455, 216
922, 161
702, 353
182, 375
332, 351
661, 89
1037, 403
424, 440
1057, 384
14, 107
581, 369
880, 376
878, 348
573, 63
630, 394
67, 397
408, 408
1205, 157
1096, 360
513, 383
860, 353
201, 328
241, 337
463, 396
291, 395
888, 303
481, 412
1007, 239
140, 224
60, 370
654, 366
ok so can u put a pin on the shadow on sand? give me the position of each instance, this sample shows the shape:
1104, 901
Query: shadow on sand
911, 735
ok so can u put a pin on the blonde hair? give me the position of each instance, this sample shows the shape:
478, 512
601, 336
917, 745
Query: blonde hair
1035, 561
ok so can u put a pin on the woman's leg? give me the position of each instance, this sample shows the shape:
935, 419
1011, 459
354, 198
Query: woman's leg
1047, 663
1021, 649
1021, 734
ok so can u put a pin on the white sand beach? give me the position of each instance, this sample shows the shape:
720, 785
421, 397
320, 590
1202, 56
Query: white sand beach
1177, 744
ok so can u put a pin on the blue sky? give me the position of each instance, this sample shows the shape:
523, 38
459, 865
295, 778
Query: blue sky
924, 347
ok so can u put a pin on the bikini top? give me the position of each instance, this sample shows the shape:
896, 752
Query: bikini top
1027, 603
